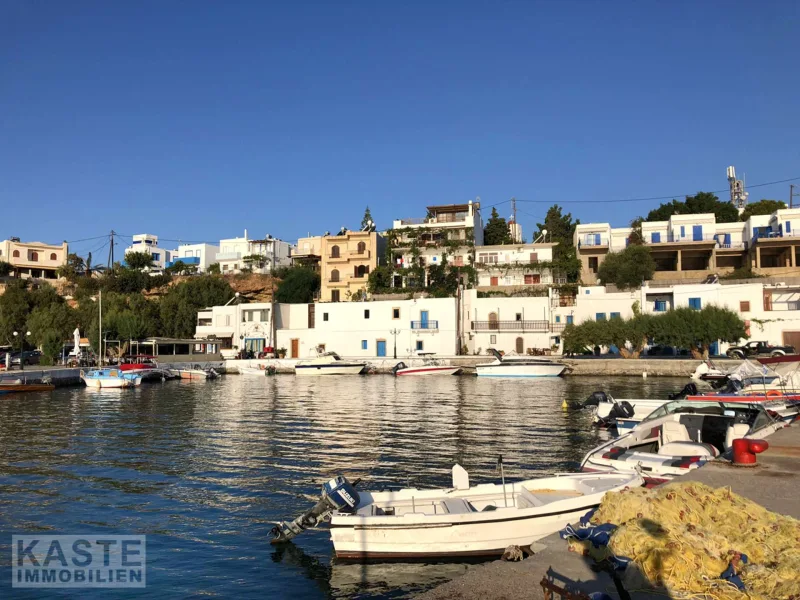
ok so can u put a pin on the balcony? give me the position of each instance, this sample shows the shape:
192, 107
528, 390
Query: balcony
337, 283
592, 241
341, 258
228, 256
677, 239
557, 327
427, 325
510, 326
359, 255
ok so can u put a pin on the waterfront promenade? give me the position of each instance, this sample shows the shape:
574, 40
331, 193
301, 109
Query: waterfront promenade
773, 484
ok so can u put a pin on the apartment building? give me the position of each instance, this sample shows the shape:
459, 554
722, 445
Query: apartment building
258, 255
33, 260
452, 229
692, 247
513, 267
148, 244
237, 327
197, 255
308, 252
346, 262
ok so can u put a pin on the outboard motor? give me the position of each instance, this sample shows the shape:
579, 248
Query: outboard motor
621, 410
397, 367
690, 389
595, 399
338, 495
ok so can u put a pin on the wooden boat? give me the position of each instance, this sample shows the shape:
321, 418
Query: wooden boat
482, 520
681, 436
519, 366
110, 378
14, 386
430, 366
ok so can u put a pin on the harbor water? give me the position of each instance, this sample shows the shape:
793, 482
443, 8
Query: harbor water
203, 468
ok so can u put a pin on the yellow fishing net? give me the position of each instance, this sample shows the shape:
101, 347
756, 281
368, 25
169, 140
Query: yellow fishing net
684, 535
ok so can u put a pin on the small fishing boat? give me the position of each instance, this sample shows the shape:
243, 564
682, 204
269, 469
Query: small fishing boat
110, 378
328, 363
429, 366
482, 520
194, 374
14, 386
512, 365
257, 371
681, 436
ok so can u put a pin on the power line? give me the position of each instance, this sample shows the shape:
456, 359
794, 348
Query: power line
87, 239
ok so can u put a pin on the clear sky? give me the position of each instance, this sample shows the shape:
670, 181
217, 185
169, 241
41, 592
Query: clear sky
196, 120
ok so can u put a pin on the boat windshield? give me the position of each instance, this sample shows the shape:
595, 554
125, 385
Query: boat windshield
333, 355
741, 412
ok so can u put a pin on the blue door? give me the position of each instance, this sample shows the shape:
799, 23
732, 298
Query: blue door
655, 238
713, 349
697, 233
596, 239
381, 347
727, 243
423, 319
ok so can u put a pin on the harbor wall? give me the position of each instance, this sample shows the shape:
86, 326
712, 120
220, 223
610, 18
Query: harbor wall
60, 376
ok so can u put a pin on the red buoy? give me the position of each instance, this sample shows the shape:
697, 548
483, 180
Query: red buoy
744, 450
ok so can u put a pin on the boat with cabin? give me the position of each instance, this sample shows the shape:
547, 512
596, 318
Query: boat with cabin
456, 522
429, 366
513, 365
328, 363
110, 377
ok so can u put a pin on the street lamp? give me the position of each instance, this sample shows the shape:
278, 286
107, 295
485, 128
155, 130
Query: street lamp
22, 349
395, 332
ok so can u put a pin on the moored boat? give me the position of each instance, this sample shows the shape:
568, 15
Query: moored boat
328, 363
429, 366
110, 378
519, 366
14, 386
194, 374
481, 520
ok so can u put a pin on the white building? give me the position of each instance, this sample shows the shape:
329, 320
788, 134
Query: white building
147, 243
198, 255
369, 329
237, 327
239, 253
515, 266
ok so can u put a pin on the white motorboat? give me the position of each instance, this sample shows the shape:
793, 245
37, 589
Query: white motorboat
681, 436
519, 366
429, 366
328, 363
194, 374
110, 378
482, 520
257, 371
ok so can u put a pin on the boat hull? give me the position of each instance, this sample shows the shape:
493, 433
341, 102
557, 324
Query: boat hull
332, 369
415, 371
128, 380
512, 370
26, 387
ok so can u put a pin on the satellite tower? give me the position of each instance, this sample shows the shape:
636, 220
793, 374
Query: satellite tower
738, 195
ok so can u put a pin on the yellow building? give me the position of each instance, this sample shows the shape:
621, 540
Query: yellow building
33, 260
346, 262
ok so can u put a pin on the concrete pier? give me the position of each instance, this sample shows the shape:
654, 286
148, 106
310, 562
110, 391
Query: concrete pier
772, 484
60, 376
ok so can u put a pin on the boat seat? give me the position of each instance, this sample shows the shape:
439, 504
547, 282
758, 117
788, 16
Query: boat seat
455, 506
672, 431
687, 449
527, 500
735, 432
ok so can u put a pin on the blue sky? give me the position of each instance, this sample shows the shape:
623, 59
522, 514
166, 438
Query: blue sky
196, 120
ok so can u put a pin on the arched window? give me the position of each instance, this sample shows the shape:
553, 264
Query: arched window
53, 256
362, 247
493, 320
334, 251
34, 256
335, 274
361, 271
16, 254
520, 345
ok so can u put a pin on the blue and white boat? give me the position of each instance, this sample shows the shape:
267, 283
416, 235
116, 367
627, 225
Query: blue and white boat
519, 366
110, 378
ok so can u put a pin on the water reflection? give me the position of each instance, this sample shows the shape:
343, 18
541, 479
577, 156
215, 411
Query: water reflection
203, 470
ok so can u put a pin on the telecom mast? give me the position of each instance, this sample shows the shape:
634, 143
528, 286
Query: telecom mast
738, 195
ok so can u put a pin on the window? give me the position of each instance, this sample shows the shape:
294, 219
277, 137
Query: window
744, 306
788, 227
53, 256
227, 320
593, 264
335, 296
366, 314
587, 292
615, 315
335, 275
683, 231
488, 258
363, 344
556, 340
156, 256
660, 306
34, 256
533, 279
655, 237
600, 317
324, 316
224, 267
558, 318
695, 303
492, 339
534, 257
519, 316
362, 247
570, 319
16, 254
420, 346
508, 280
334, 251
395, 313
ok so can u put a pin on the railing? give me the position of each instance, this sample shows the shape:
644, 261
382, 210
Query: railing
732, 245
228, 255
425, 325
564, 301
556, 327
414, 221
593, 241
671, 238
510, 325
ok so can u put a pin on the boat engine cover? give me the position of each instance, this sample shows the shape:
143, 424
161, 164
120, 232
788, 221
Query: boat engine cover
596, 398
341, 494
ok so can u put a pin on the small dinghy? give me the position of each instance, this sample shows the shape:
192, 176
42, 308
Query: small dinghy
482, 520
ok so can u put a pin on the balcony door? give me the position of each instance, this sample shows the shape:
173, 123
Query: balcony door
493, 320
697, 233
423, 319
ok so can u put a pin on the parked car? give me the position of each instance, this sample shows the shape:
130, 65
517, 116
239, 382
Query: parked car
28, 357
758, 349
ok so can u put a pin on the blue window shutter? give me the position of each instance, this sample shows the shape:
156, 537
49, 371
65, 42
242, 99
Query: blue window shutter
587, 292
655, 237
788, 227
695, 303
600, 317
661, 305
363, 344
615, 315
697, 233
727, 240
558, 318
683, 231
570, 319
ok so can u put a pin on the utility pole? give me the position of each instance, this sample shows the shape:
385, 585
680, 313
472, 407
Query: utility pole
792, 195
514, 209
111, 250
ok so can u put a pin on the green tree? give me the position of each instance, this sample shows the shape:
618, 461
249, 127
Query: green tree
178, 307
298, 287
367, 220
380, 279
138, 260
56, 318
628, 268
72, 269
636, 237
697, 329
496, 230
14, 307
52, 346
560, 230
213, 269
762, 207
702, 202
5, 268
